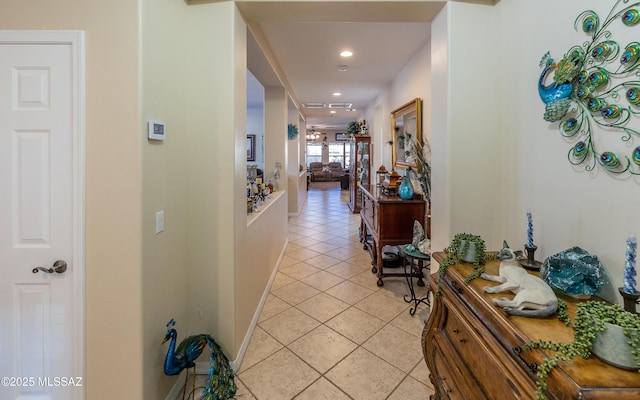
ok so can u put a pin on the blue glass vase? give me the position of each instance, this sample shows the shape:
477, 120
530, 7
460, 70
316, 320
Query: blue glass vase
406, 187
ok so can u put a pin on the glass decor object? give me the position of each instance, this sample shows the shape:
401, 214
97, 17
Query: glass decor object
574, 272
406, 187
630, 266
595, 91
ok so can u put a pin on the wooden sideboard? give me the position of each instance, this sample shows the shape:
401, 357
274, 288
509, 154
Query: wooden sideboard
389, 221
474, 349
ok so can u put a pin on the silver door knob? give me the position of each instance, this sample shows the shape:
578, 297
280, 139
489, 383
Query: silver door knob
58, 267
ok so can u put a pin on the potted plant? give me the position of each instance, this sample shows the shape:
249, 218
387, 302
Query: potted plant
464, 247
593, 319
353, 128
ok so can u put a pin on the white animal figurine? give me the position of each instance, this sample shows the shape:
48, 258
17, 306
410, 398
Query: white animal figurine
534, 297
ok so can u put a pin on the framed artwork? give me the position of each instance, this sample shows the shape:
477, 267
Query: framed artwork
341, 137
406, 130
251, 147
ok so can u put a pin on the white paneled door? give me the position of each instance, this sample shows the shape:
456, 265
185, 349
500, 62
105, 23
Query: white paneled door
41, 215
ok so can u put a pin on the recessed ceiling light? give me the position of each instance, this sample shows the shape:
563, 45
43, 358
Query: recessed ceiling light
346, 53
332, 112
342, 68
337, 94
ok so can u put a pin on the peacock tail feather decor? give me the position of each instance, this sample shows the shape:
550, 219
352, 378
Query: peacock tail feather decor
595, 88
220, 384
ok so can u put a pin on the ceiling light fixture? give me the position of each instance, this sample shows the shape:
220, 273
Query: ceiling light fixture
337, 94
313, 135
346, 53
332, 112
342, 68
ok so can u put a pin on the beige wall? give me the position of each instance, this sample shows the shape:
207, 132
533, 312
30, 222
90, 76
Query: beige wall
414, 81
114, 366
165, 291
216, 141
471, 164
262, 243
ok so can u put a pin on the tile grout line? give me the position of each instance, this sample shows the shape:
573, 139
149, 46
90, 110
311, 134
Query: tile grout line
302, 223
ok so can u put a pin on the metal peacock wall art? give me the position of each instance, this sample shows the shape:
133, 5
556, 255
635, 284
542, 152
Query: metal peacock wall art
220, 384
595, 88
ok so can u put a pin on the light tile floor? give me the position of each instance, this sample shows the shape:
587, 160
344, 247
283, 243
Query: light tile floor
327, 331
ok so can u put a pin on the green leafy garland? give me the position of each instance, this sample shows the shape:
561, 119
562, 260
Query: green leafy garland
455, 248
590, 319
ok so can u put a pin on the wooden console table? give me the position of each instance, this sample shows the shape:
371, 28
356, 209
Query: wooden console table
474, 349
389, 221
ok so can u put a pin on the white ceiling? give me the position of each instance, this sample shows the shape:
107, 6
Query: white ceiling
302, 42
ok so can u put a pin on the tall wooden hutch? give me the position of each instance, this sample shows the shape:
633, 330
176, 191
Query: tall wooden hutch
359, 169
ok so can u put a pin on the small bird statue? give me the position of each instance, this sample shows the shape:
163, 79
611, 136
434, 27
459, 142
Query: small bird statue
221, 384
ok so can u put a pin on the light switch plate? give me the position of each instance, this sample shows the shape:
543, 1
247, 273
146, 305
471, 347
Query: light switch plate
159, 221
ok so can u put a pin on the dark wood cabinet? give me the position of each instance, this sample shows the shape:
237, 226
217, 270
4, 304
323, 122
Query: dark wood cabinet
386, 221
474, 349
359, 169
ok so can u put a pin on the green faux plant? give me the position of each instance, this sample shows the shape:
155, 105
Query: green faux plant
353, 128
590, 319
357, 128
460, 245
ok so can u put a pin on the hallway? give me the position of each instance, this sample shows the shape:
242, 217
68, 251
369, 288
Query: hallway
326, 330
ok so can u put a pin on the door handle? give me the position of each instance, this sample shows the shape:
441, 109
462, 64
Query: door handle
58, 267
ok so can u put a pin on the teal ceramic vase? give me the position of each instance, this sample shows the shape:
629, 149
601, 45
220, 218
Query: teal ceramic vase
406, 187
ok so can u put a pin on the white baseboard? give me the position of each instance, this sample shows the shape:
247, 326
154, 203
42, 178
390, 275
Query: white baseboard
256, 316
202, 368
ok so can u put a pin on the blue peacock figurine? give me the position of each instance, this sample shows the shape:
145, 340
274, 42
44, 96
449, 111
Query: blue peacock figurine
221, 384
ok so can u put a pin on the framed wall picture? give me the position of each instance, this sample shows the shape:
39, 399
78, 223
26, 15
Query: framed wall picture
251, 147
406, 128
341, 137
